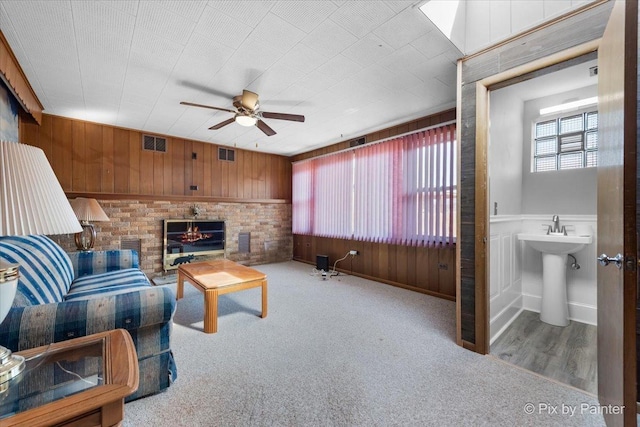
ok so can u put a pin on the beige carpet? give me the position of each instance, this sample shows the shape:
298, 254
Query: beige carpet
342, 352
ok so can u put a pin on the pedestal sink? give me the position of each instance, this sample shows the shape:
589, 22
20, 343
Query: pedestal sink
554, 248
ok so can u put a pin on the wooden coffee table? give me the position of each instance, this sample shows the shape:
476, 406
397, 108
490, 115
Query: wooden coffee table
219, 277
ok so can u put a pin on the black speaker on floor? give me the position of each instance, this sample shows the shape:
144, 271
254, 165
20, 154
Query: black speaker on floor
322, 262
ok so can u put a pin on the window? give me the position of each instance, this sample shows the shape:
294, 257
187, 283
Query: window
400, 191
566, 142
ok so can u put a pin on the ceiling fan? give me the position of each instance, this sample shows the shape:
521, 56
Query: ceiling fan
247, 113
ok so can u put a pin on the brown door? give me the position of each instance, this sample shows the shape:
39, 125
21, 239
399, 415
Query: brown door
617, 74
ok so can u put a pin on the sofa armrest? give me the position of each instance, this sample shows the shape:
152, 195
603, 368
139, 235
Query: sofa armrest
36, 325
96, 262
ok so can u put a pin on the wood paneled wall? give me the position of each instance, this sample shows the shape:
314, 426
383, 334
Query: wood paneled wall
422, 269
572, 30
427, 270
91, 158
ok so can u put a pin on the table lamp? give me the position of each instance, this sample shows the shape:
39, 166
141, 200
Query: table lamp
32, 202
87, 210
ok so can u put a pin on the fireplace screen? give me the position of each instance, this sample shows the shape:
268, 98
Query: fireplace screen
191, 240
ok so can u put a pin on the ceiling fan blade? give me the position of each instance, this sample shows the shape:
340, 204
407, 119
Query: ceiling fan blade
265, 128
282, 116
222, 124
206, 106
249, 100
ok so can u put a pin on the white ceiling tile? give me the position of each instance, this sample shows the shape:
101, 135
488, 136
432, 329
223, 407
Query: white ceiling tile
191, 9
400, 5
102, 27
360, 18
130, 63
449, 77
329, 39
46, 30
306, 15
164, 23
432, 44
407, 26
222, 28
339, 67
316, 81
201, 59
396, 81
275, 80
302, 58
251, 60
248, 12
128, 6
295, 94
150, 51
435, 92
368, 50
395, 62
276, 33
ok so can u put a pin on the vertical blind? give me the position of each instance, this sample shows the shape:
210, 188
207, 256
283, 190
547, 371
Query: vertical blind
400, 191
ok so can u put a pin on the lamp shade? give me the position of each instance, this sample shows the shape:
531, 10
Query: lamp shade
31, 199
88, 210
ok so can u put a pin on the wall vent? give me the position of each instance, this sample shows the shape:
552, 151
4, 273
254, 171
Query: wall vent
135, 244
244, 243
226, 154
154, 143
357, 141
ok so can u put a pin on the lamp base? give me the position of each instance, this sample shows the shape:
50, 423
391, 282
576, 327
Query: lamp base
10, 366
86, 238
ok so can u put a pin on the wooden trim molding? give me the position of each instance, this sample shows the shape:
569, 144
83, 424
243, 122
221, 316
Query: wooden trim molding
127, 196
482, 219
459, 340
482, 255
16, 80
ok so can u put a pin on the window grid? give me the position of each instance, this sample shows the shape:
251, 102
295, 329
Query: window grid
567, 142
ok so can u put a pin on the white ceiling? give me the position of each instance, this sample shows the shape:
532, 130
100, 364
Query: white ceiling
350, 67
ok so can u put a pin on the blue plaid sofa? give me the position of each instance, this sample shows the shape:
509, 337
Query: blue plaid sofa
67, 295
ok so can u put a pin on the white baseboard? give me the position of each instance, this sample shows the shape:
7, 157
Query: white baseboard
501, 321
578, 312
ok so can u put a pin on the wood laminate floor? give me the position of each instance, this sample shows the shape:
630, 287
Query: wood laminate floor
566, 354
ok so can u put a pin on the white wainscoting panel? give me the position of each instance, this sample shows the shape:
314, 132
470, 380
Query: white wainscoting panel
504, 273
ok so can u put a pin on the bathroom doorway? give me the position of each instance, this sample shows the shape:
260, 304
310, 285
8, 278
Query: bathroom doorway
542, 153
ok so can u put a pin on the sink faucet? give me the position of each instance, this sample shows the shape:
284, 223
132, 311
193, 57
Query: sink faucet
556, 223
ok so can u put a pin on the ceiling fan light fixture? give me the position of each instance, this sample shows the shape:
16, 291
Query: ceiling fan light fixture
246, 120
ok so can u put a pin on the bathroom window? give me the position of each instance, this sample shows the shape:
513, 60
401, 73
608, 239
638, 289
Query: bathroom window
566, 142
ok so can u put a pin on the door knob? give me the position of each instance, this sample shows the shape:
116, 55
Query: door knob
604, 260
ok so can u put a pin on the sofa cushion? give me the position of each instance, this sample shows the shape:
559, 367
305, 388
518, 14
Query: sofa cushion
97, 262
110, 283
46, 272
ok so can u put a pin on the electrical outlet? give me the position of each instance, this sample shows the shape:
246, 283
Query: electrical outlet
352, 252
